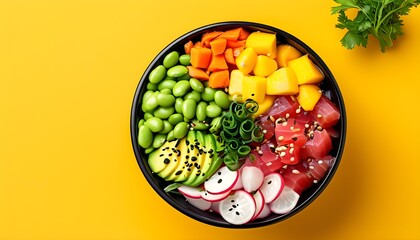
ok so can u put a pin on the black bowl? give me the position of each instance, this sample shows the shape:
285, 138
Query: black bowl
329, 86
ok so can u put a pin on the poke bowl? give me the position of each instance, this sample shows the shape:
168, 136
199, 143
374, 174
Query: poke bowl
238, 124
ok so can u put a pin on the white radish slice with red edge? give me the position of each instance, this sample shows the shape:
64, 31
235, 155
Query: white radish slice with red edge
191, 192
238, 184
252, 178
272, 186
265, 212
221, 181
215, 207
214, 197
285, 202
238, 208
199, 203
259, 203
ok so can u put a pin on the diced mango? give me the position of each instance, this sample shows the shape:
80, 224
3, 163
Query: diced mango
253, 87
263, 43
264, 66
306, 71
246, 60
235, 84
285, 53
282, 82
309, 94
265, 105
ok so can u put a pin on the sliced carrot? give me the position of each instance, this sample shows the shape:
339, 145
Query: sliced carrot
237, 51
197, 73
232, 34
198, 44
235, 43
243, 34
200, 57
188, 46
208, 37
219, 79
218, 46
230, 59
217, 63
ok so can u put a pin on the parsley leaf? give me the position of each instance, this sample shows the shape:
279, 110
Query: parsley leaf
379, 18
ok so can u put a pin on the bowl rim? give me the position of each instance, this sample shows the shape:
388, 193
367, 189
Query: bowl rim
191, 35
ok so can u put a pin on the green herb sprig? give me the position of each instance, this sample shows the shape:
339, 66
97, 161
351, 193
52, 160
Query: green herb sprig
379, 18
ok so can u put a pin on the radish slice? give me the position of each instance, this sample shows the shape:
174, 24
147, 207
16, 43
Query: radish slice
259, 203
265, 212
221, 181
238, 184
191, 192
272, 186
214, 197
285, 202
238, 208
215, 207
252, 178
199, 203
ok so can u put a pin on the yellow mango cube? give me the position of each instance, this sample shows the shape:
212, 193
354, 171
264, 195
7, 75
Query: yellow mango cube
235, 83
264, 66
285, 53
309, 94
246, 60
263, 43
306, 71
265, 105
282, 82
253, 87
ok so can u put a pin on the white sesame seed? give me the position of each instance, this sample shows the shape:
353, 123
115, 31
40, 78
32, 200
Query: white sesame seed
319, 116
280, 138
285, 166
284, 124
292, 159
269, 164
311, 167
282, 154
306, 125
291, 128
315, 181
260, 152
291, 150
287, 115
258, 148
264, 131
320, 162
292, 145
319, 128
295, 171
272, 119
298, 110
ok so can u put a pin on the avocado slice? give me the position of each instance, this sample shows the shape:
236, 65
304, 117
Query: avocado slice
173, 156
183, 170
202, 157
159, 160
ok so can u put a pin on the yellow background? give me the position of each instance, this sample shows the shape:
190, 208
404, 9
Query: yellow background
68, 72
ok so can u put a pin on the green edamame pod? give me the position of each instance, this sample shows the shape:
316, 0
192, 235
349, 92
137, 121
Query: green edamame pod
181, 88
208, 94
164, 112
177, 71
193, 95
221, 99
213, 110
145, 137
178, 105
171, 59
196, 85
180, 130
157, 74
185, 59
176, 118
166, 84
167, 127
188, 108
165, 100
200, 111
154, 124
158, 140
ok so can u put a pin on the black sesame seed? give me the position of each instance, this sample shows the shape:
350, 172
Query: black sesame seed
237, 213
193, 158
219, 173
219, 181
230, 209
178, 172
192, 147
161, 155
187, 142
269, 182
166, 161
187, 157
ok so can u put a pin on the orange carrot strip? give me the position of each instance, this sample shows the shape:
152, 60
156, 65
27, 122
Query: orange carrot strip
243, 34
217, 63
232, 34
218, 46
219, 79
230, 59
235, 43
197, 73
208, 37
188, 46
200, 57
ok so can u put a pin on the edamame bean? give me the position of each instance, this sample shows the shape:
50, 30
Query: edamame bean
177, 71
188, 108
200, 112
166, 84
145, 137
141, 122
167, 127
185, 59
208, 94
170, 136
193, 95
158, 140
154, 124
157, 74
221, 99
199, 125
181, 88
213, 110
151, 86
178, 105
171, 59
196, 85
164, 112
176, 118
180, 130
165, 100
166, 91
184, 77
147, 115
146, 96
151, 102
149, 150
